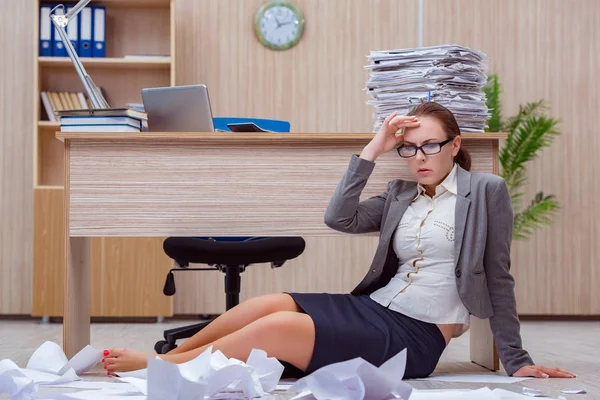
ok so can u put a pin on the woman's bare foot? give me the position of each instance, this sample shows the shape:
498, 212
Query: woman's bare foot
123, 360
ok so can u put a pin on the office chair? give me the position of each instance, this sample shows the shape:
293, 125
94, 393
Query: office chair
230, 255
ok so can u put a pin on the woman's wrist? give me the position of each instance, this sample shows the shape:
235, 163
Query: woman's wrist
369, 154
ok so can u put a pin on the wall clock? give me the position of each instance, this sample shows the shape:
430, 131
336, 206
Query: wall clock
279, 25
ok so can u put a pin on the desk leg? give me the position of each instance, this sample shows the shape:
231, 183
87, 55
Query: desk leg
76, 322
483, 346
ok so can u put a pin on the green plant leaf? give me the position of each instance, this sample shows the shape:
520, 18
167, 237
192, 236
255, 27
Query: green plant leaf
529, 131
523, 144
531, 109
535, 216
492, 92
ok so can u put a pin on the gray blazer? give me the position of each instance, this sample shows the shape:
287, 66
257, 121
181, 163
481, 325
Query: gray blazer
483, 235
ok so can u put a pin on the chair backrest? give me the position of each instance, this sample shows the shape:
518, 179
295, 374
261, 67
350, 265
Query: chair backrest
274, 125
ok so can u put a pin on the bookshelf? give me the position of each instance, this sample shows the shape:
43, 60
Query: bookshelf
140, 53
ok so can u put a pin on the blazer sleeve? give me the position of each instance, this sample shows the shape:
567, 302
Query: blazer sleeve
345, 212
505, 322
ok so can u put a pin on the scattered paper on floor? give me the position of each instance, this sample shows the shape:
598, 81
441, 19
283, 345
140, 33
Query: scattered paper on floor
356, 379
214, 376
475, 378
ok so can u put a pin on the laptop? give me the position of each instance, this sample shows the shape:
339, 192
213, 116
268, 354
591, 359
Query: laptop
178, 109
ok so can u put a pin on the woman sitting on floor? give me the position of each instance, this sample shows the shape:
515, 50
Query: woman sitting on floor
443, 254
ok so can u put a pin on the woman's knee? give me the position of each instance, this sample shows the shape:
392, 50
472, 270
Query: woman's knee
288, 336
272, 303
283, 321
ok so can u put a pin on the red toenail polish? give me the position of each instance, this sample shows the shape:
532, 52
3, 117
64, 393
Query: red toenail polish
105, 367
108, 373
105, 353
102, 360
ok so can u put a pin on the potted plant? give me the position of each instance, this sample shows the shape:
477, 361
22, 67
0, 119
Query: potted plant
529, 131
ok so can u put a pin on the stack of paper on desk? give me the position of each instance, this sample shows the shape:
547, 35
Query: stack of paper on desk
451, 75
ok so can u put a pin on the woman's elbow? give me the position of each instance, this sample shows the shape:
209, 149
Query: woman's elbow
331, 221
336, 223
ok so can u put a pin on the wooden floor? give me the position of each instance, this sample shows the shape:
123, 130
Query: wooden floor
573, 346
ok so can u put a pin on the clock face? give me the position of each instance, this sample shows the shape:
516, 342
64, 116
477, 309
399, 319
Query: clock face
279, 25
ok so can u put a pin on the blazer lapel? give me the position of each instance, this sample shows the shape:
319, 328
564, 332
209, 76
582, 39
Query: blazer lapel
398, 208
463, 204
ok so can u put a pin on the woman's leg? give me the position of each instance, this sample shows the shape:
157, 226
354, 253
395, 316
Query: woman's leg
287, 336
238, 317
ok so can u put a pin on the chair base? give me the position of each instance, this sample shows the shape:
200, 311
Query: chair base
232, 299
172, 335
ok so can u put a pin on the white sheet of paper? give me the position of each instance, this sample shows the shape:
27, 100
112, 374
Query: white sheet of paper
574, 391
474, 378
284, 386
357, 379
116, 387
140, 374
213, 374
14, 382
166, 382
50, 358
465, 394
85, 360
533, 392
140, 384
46, 379
268, 369
197, 368
89, 395
508, 395
221, 379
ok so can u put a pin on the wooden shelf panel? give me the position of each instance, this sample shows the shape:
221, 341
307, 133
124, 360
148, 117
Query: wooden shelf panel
159, 63
48, 125
51, 156
49, 252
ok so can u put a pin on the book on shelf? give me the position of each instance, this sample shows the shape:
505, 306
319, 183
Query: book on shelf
54, 102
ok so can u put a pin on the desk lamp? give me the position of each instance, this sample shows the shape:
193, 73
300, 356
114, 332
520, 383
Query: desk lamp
60, 21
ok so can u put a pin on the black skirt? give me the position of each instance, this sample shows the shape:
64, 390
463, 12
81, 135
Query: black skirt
349, 326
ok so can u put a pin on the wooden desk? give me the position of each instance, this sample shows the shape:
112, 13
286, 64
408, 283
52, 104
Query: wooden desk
197, 184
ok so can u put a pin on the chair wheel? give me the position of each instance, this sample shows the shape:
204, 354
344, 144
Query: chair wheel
163, 347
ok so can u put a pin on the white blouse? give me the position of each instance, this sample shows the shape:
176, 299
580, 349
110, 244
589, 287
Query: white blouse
424, 286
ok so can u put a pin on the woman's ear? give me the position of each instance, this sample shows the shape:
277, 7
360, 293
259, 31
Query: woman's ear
456, 144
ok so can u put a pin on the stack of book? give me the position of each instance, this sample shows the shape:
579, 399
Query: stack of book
103, 120
61, 101
451, 75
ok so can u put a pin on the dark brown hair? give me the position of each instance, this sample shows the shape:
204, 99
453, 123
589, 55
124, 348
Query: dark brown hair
449, 125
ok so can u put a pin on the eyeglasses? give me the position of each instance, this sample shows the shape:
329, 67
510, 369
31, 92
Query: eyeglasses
427, 149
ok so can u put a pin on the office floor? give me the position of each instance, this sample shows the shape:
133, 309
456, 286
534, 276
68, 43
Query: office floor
573, 346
